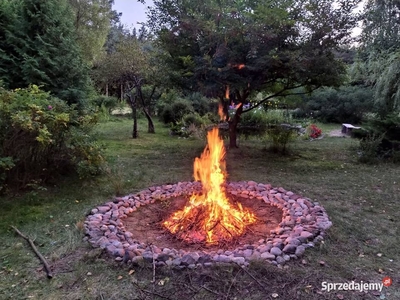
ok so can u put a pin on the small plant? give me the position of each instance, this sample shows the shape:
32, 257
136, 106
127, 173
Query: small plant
369, 148
115, 177
280, 137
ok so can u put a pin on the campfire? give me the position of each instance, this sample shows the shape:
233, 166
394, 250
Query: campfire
210, 217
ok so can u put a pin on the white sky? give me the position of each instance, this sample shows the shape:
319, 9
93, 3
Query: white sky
132, 12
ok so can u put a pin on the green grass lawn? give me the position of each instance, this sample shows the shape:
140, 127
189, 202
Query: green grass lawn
362, 201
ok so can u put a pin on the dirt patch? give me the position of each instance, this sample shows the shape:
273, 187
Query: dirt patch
337, 133
146, 224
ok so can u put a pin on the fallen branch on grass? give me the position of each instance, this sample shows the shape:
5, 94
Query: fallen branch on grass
43, 260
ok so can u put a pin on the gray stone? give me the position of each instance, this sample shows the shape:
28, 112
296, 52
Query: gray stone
293, 241
300, 251
205, 258
290, 249
177, 261
163, 257
117, 244
267, 255
280, 260
247, 252
286, 257
224, 258
103, 209
148, 256
111, 248
238, 260
306, 234
255, 256
278, 245
137, 260
128, 256
276, 251
119, 252
188, 259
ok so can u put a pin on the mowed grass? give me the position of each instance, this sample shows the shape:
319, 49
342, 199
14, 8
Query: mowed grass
361, 200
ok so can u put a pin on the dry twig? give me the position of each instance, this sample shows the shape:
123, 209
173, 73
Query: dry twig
251, 275
43, 260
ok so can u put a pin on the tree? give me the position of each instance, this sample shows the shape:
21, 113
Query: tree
92, 20
235, 49
387, 86
8, 18
379, 54
127, 65
381, 25
42, 50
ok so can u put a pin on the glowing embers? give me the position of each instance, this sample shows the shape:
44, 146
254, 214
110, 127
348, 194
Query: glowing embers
210, 217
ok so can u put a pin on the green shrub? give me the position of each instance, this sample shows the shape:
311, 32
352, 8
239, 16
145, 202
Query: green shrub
105, 101
370, 147
6, 164
201, 104
280, 136
193, 118
257, 121
345, 105
381, 138
44, 136
174, 112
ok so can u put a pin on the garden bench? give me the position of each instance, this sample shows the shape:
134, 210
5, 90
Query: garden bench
347, 128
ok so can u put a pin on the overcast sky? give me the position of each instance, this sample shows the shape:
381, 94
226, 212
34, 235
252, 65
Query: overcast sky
132, 11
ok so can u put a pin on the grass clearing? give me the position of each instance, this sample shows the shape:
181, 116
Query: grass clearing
362, 201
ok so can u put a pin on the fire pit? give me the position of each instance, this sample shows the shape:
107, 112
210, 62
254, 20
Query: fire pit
207, 221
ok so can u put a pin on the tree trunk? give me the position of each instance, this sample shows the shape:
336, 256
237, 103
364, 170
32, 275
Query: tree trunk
132, 103
107, 89
122, 92
150, 122
134, 116
233, 123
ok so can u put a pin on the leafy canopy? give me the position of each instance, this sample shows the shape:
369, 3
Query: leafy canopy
252, 46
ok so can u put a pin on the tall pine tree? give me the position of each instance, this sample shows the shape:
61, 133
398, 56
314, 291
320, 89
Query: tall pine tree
44, 50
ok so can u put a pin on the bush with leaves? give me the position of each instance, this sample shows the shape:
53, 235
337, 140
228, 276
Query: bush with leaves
380, 138
280, 136
201, 104
41, 136
345, 105
105, 101
174, 112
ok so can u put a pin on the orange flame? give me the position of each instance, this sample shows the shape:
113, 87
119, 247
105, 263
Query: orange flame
210, 217
227, 92
221, 112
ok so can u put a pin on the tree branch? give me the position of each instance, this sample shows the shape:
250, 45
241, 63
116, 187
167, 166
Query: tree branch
43, 260
279, 94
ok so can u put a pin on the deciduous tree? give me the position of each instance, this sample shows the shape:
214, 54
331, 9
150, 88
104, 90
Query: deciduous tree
92, 21
235, 49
